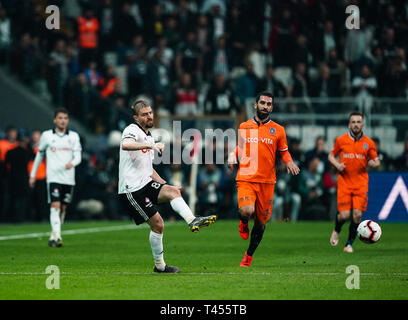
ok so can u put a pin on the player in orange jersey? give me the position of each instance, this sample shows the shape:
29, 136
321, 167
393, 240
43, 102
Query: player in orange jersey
351, 154
258, 141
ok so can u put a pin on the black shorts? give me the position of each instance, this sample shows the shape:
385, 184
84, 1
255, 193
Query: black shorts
59, 192
140, 204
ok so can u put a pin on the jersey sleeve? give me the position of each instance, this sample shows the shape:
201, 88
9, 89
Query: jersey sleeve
282, 142
372, 151
130, 132
42, 146
336, 148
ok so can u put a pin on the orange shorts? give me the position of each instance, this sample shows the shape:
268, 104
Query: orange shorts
259, 195
349, 199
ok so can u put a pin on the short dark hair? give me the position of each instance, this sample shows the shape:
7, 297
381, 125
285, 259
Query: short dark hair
264, 93
137, 105
61, 110
356, 113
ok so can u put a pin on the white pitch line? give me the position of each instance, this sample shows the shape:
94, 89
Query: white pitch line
397, 274
78, 231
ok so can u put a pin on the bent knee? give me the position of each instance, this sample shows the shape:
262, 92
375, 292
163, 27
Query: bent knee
246, 211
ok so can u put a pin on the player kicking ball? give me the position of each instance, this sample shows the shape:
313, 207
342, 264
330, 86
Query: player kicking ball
356, 151
140, 186
258, 141
62, 148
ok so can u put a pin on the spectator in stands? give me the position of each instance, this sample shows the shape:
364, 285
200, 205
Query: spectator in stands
271, 84
311, 190
88, 27
126, 27
386, 160
138, 62
395, 76
16, 163
257, 58
300, 88
171, 31
80, 97
186, 17
327, 42
168, 52
401, 162
217, 21
247, 85
221, 97
5, 36
189, 58
237, 35
58, 72
106, 20
109, 83
185, 96
93, 76
301, 52
296, 152
154, 24
281, 39
337, 70
325, 87
204, 34
219, 59
159, 79
364, 87
23, 59
357, 44
318, 152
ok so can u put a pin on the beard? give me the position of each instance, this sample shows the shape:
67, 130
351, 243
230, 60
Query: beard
356, 131
262, 115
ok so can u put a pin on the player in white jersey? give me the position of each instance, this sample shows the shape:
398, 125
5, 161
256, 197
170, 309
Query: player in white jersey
62, 148
140, 187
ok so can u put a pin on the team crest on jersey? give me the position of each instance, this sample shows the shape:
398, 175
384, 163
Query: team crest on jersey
365, 146
272, 130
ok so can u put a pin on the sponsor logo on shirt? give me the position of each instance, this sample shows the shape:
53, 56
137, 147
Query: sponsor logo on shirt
353, 156
258, 140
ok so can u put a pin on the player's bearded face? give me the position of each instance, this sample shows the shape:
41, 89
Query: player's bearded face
356, 125
145, 117
264, 107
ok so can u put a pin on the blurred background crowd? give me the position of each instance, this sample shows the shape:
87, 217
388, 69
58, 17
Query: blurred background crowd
190, 58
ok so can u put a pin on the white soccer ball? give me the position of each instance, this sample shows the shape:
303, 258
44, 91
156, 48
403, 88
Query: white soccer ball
369, 231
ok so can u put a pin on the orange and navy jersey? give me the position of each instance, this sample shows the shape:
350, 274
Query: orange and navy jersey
257, 146
354, 153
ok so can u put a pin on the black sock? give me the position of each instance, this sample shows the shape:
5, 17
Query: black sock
338, 224
244, 220
352, 232
256, 237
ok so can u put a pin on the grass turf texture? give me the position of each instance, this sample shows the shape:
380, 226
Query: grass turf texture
293, 261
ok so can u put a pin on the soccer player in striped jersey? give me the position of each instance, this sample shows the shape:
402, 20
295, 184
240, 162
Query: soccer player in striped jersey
141, 187
62, 148
258, 141
351, 154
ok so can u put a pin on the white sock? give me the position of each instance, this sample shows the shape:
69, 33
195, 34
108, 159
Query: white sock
156, 242
55, 223
181, 207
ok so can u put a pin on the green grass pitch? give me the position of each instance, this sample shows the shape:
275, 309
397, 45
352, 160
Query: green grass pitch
294, 261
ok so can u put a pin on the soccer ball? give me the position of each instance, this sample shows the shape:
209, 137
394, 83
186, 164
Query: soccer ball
369, 231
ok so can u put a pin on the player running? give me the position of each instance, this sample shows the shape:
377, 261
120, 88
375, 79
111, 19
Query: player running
258, 141
140, 187
62, 148
356, 152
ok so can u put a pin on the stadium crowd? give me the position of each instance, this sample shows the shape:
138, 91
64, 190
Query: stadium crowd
107, 53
